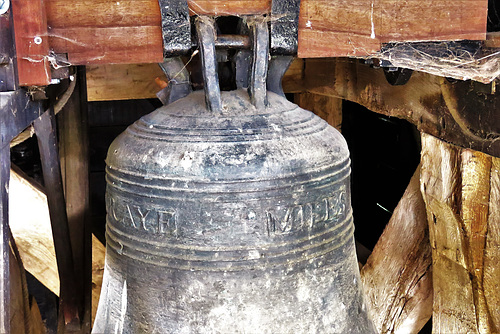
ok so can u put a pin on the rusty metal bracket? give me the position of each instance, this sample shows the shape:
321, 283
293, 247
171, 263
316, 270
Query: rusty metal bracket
179, 84
284, 27
259, 33
206, 39
397, 76
175, 27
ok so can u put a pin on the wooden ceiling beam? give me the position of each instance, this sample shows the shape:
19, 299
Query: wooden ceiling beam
327, 28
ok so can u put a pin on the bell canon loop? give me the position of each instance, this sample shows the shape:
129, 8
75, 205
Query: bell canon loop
229, 212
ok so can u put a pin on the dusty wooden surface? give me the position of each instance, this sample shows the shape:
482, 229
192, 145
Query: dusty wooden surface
397, 278
461, 192
447, 110
101, 31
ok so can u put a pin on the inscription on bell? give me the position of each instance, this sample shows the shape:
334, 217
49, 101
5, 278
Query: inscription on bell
307, 216
158, 221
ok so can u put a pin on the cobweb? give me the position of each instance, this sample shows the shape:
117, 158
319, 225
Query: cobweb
462, 60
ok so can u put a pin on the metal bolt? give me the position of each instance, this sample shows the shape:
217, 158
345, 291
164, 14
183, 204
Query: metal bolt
4, 6
4, 59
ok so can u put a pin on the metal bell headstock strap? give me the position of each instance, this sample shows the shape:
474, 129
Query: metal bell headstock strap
258, 73
280, 41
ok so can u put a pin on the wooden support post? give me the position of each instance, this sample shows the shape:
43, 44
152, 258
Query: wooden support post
328, 108
437, 107
31, 230
397, 277
37, 249
4, 239
25, 316
73, 149
461, 192
46, 134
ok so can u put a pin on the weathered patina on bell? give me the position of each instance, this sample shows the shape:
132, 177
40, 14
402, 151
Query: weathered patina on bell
236, 220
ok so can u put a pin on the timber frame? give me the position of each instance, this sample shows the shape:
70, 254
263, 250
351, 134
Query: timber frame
439, 254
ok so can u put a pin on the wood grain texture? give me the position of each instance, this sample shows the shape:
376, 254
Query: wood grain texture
137, 81
357, 28
109, 45
397, 278
491, 267
425, 20
25, 317
336, 29
32, 231
327, 107
73, 152
327, 28
98, 256
492, 40
438, 107
123, 82
457, 187
32, 44
293, 80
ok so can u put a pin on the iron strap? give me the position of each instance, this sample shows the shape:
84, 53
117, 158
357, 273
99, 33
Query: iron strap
175, 27
284, 27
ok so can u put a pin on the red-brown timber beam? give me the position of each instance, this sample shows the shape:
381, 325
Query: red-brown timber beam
129, 31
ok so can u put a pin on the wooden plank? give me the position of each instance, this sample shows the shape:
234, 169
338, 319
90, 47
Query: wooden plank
491, 267
327, 28
33, 234
109, 45
397, 278
105, 13
292, 81
336, 29
32, 45
5, 294
357, 28
476, 169
456, 185
429, 20
73, 149
436, 106
327, 107
492, 40
45, 129
32, 231
228, 8
128, 13
98, 257
123, 82
137, 81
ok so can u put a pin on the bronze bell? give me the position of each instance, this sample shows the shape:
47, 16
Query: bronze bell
230, 216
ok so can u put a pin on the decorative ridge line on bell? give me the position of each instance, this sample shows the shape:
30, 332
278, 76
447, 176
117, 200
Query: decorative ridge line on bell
229, 212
